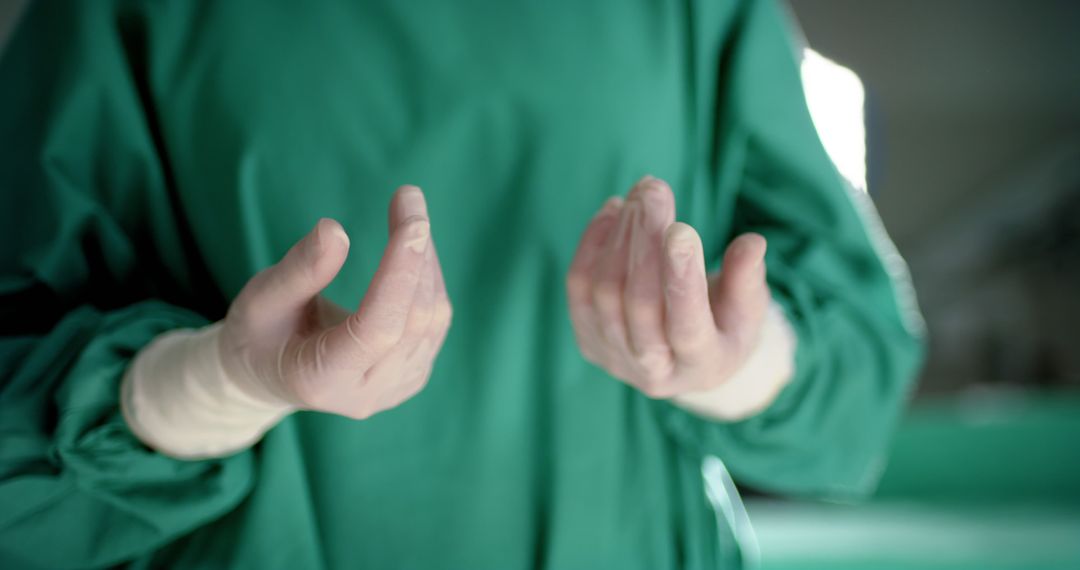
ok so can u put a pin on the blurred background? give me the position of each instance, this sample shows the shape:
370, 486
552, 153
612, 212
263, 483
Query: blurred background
972, 147
962, 119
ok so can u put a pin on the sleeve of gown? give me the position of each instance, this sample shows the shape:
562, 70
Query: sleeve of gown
830, 266
94, 262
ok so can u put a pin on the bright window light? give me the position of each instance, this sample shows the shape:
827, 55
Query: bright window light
835, 96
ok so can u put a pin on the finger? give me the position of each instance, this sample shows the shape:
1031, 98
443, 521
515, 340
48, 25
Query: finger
405, 390
407, 201
741, 294
390, 375
643, 294
408, 355
608, 278
283, 289
440, 282
579, 278
381, 319
402, 371
689, 323
430, 316
595, 236
327, 314
422, 311
440, 338
443, 311
418, 347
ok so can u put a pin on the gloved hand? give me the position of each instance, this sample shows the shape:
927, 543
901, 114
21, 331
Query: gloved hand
284, 341
283, 346
644, 310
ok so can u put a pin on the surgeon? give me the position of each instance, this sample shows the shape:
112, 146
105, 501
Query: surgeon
426, 285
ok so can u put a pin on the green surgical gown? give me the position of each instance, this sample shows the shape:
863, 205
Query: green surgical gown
156, 154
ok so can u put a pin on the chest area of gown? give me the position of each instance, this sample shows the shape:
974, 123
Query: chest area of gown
518, 119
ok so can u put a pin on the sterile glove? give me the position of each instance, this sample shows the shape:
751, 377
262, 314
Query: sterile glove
283, 346
643, 309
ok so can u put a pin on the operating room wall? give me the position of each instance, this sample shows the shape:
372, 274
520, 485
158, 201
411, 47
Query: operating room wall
9, 10
974, 134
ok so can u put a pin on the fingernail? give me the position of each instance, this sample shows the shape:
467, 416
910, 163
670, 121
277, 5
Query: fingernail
681, 246
638, 235
609, 208
339, 233
655, 216
657, 359
629, 212
744, 248
412, 200
419, 231
653, 196
761, 260
312, 244
610, 204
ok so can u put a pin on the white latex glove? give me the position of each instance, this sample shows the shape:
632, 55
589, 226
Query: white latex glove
644, 310
283, 346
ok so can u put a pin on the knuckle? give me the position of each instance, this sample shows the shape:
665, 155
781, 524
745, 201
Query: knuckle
442, 313
415, 390
242, 308
418, 325
382, 339
239, 312
644, 310
420, 383
616, 336
612, 333
607, 294
651, 378
311, 395
656, 363
376, 338
361, 405
688, 338
359, 412
591, 353
577, 285
618, 370
445, 312
654, 389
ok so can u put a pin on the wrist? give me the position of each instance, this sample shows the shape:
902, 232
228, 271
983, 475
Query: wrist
756, 384
178, 398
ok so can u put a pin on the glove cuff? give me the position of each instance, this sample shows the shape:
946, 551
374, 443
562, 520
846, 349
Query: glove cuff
177, 398
760, 379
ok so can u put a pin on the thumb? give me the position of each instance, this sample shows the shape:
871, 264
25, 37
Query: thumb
306, 269
740, 295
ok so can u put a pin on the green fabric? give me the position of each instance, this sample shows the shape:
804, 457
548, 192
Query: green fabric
998, 449
917, 535
158, 154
